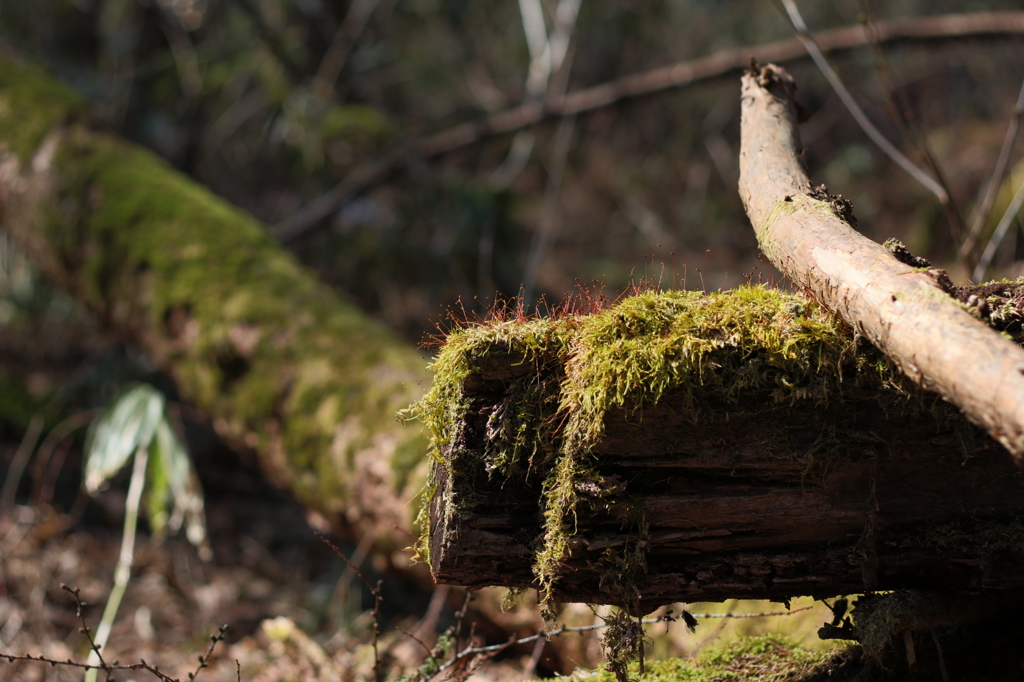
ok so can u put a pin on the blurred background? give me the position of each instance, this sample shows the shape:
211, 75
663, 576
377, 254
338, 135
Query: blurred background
274, 104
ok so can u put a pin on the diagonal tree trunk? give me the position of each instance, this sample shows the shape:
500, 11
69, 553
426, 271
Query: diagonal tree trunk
282, 364
908, 314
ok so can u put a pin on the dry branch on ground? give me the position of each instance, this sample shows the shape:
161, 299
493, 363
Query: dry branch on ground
908, 314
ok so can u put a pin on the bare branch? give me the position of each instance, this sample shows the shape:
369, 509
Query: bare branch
910, 126
981, 211
678, 75
21, 458
806, 234
338, 51
668, 618
804, 36
997, 237
376, 592
108, 668
547, 55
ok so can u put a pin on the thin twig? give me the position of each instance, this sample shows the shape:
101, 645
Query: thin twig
981, 211
49, 445
538, 649
94, 648
681, 74
204, 660
414, 638
997, 237
804, 36
341, 588
909, 125
461, 617
109, 668
548, 54
351, 27
21, 457
469, 650
486, 651
428, 622
375, 591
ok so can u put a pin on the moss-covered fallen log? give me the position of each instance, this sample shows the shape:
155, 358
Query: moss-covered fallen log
281, 363
691, 447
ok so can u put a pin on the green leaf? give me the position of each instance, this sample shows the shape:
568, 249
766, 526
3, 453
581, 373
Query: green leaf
183, 485
126, 426
158, 489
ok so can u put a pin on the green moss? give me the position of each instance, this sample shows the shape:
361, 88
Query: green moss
767, 658
696, 346
251, 338
32, 104
878, 617
705, 350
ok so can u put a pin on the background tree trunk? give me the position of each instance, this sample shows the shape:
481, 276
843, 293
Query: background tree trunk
283, 365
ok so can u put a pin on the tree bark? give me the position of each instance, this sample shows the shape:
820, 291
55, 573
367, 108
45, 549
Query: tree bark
751, 499
808, 235
284, 366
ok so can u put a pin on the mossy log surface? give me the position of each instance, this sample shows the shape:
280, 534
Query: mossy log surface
686, 447
282, 364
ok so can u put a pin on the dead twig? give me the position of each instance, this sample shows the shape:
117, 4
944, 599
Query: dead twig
667, 618
805, 37
981, 212
375, 591
909, 125
109, 668
547, 54
907, 314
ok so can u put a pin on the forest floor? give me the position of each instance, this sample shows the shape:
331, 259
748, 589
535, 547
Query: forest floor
294, 611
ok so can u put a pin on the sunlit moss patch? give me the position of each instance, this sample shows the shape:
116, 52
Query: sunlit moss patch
767, 658
704, 349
